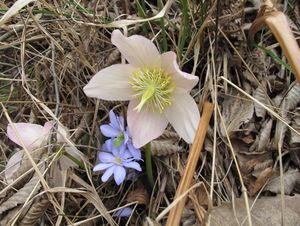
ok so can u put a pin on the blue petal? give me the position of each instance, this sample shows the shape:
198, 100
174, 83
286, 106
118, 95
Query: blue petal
114, 121
125, 155
133, 165
136, 153
109, 131
107, 174
119, 174
124, 212
121, 150
105, 157
102, 166
107, 146
121, 122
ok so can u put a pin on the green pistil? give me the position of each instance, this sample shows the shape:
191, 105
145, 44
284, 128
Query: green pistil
153, 87
118, 141
118, 160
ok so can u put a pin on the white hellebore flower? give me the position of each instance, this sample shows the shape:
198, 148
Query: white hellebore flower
157, 89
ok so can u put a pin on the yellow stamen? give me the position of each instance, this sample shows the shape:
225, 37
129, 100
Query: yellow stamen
153, 87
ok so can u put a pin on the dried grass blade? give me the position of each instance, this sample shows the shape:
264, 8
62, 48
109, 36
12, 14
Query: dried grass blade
14, 10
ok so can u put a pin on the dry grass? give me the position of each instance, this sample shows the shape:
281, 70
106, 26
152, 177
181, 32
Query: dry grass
51, 49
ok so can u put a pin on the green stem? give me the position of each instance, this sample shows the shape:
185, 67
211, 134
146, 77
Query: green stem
149, 164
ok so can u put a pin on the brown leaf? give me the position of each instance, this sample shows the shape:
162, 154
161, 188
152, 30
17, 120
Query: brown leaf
21, 196
290, 179
266, 211
163, 148
37, 209
264, 136
261, 95
236, 111
139, 196
261, 180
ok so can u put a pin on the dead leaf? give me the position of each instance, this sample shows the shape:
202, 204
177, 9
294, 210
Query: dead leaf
260, 94
291, 178
236, 111
163, 148
264, 136
266, 211
21, 196
261, 180
139, 195
13, 165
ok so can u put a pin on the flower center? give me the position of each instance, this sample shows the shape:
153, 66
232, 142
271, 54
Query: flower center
118, 141
118, 160
153, 87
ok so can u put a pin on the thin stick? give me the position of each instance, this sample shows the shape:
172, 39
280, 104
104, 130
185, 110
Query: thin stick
185, 182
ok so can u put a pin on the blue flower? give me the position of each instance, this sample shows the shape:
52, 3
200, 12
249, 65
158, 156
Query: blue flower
124, 212
115, 161
115, 130
120, 137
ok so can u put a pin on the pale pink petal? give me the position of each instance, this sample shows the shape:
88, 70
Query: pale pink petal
47, 127
62, 134
111, 83
181, 79
184, 115
13, 165
145, 125
137, 50
32, 135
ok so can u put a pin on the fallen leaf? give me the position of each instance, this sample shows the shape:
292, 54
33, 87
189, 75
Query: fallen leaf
265, 211
291, 178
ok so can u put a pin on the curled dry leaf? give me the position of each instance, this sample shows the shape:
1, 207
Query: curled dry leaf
291, 178
260, 94
18, 166
264, 136
163, 148
236, 111
288, 103
21, 196
5, 220
169, 135
13, 165
37, 209
140, 196
261, 180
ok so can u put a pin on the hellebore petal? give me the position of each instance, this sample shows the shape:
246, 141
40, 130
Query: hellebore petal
102, 166
107, 174
106, 157
184, 115
180, 78
109, 131
32, 135
138, 51
111, 83
144, 125
119, 174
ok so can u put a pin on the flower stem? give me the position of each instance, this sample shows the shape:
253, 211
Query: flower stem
149, 165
